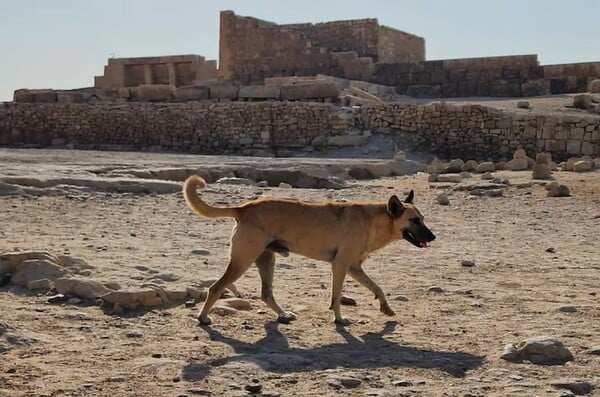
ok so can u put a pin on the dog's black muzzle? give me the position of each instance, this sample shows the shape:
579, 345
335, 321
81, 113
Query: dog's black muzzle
419, 237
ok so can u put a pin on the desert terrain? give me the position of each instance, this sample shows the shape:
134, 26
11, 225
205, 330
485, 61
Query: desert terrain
506, 269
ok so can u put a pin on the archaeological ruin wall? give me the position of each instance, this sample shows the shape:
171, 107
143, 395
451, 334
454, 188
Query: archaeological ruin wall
251, 49
278, 128
176, 70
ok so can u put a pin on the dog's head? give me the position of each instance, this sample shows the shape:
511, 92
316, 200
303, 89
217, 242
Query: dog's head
408, 221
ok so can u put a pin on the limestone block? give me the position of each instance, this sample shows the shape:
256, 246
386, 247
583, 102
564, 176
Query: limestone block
192, 93
152, 92
259, 92
309, 91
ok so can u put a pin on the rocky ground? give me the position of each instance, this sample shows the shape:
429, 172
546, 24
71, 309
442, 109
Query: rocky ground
502, 270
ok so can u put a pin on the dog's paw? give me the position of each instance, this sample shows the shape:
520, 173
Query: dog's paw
286, 317
387, 310
204, 320
342, 321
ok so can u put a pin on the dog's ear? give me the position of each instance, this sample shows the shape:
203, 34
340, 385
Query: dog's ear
409, 199
395, 207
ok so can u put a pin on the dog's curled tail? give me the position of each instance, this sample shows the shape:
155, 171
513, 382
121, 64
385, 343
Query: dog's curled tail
195, 202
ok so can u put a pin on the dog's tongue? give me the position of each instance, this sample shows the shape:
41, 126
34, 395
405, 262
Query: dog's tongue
424, 244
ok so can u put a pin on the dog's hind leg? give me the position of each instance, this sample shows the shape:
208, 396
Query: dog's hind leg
266, 268
357, 273
339, 270
246, 245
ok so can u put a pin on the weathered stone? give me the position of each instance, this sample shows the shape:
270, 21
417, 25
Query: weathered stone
541, 171
309, 91
582, 101
486, 166
455, 166
259, 92
594, 86
558, 190
82, 288
452, 178
152, 92
436, 166
470, 166
523, 104
192, 93
42, 284
519, 153
578, 387
518, 164
582, 166
539, 350
33, 269
442, 199
235, 181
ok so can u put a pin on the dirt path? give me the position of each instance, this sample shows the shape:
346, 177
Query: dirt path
445, 343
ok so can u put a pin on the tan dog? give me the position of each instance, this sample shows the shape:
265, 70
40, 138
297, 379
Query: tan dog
343, 234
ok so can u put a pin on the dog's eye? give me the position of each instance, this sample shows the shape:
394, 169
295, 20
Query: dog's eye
416, 221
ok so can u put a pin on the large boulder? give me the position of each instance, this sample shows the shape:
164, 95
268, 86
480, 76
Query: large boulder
486, 166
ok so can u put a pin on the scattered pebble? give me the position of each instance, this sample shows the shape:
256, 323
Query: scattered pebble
254, 386
134, 334
435, 288
74, 301
201, 252
550, 250
578, 387
567, 309
58, 298
117, 379
402, 298
442, 199
467, 263
402, 383
199, 392
347, 301
156, 355
190, 303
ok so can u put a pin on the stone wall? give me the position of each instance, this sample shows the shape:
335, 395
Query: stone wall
518, 75
478, 132
251, 49
176, 70
236, 127
571, 77
267, 128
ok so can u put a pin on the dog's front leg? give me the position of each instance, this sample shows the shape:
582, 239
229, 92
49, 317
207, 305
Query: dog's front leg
339, 271
357, 273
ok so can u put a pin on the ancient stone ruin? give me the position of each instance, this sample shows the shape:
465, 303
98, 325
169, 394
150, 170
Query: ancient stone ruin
311, 87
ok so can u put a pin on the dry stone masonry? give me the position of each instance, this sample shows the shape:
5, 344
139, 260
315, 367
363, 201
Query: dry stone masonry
267, 128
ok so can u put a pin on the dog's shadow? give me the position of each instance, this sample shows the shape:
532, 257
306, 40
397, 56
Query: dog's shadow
371, 350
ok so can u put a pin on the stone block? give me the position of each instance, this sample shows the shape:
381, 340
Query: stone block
573, 146
425, 91
192, 93
309, 91
259, 92
224, 91
152, 92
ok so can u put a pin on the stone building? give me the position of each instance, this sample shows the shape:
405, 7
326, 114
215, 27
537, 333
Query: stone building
251, 49
177, 70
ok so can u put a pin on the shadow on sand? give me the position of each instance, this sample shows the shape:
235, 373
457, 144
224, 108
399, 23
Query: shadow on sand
371, 350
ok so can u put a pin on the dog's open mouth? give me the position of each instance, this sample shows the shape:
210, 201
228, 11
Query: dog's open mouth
408, 236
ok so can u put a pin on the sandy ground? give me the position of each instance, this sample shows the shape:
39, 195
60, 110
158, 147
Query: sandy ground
438, 344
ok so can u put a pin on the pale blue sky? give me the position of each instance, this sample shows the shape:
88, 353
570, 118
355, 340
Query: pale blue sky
64, 43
